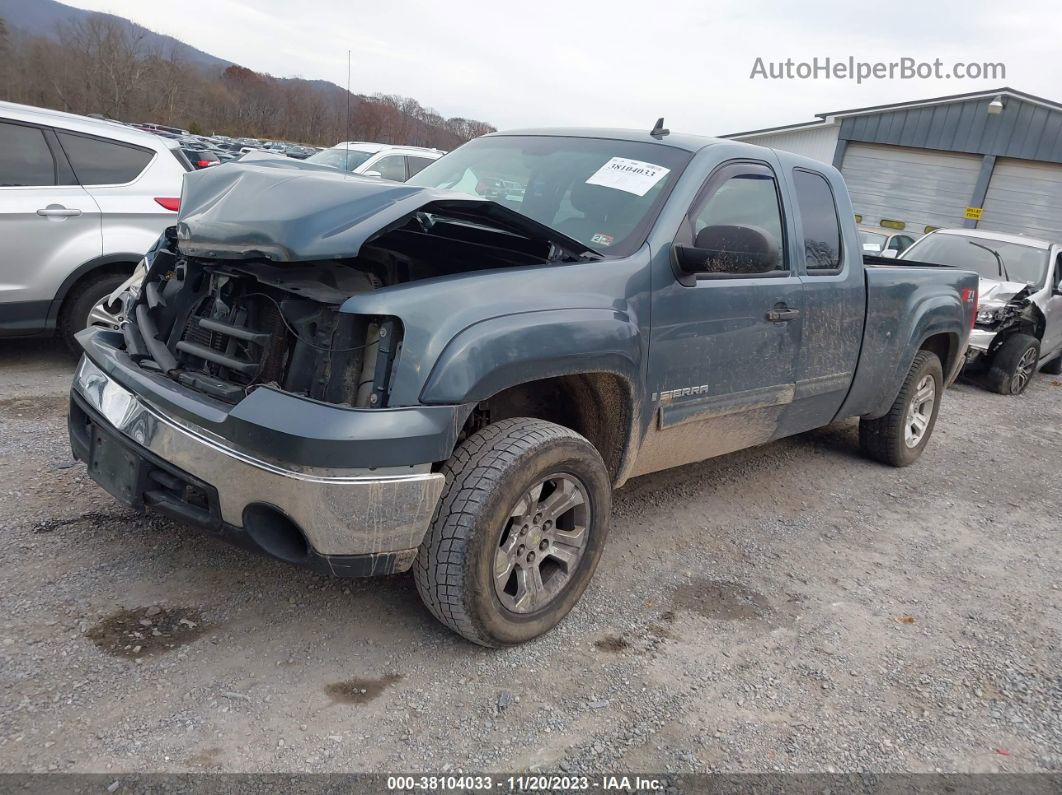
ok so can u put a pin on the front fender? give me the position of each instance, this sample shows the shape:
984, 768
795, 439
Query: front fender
501, 352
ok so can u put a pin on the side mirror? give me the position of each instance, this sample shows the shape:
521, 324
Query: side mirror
730, 250
889, 253
371, 174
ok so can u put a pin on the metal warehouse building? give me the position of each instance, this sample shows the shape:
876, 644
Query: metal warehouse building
990, 159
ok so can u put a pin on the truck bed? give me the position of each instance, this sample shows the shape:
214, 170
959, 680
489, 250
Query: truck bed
907, 303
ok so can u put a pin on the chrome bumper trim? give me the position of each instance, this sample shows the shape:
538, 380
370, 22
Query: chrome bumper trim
342, 512
981, 339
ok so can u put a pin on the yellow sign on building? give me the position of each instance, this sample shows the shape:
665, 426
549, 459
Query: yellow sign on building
973, 213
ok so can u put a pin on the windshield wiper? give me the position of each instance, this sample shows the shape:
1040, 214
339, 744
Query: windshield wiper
999, 259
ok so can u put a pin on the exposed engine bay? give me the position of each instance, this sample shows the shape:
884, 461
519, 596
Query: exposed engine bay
1009, 314
223, 328
227, 306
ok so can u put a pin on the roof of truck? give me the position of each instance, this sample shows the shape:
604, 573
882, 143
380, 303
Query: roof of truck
686, 141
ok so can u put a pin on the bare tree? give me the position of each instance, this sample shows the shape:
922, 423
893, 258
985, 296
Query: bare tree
101, 65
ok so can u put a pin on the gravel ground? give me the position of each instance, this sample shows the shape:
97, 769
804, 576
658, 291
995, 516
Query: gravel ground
789, 608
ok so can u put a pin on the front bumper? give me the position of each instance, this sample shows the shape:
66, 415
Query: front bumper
981, 340
353, 520
977, 352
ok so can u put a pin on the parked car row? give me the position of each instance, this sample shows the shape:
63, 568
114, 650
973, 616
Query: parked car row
885, 242
210, 150
397, 163
82, 199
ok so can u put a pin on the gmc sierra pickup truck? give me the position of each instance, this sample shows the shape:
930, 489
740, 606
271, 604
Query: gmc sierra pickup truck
452, 374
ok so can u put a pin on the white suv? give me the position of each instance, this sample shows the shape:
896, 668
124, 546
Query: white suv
81, 200
376, 160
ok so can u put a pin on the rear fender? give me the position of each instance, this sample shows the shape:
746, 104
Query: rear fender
890, 345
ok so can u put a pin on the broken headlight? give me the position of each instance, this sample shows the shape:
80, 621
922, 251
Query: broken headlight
989, 315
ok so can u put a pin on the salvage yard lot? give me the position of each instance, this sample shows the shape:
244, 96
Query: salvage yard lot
790, 607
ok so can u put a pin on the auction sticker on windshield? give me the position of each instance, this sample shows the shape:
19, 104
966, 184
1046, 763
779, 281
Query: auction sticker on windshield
632, 176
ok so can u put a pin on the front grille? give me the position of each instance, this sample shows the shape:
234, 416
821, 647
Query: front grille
230, 328
227, 347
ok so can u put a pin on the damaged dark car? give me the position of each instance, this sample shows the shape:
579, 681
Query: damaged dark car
450, 375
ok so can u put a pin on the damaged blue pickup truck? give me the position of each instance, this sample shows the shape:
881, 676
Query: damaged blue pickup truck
452, 374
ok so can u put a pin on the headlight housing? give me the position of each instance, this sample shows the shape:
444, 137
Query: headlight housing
988, 315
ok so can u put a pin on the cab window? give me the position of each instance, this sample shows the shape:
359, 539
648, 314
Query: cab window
739, 214
819, 222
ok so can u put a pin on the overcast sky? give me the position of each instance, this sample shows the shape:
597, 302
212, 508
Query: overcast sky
617, 62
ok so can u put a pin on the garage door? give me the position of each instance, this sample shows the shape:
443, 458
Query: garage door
917, 186
1024, 197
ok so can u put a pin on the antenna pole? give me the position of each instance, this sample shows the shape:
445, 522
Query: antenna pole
346, 131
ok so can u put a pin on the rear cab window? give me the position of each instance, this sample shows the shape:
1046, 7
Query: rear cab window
820, 225
101, 162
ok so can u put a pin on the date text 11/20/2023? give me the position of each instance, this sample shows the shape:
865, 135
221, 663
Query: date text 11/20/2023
523, 783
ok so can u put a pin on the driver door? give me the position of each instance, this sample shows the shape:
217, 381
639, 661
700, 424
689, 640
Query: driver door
725, 343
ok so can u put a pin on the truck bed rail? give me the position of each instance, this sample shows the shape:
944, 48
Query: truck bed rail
873, 260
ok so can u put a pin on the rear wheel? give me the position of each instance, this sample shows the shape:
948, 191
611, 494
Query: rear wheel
1014, 364
900, 436
517, 534
81, 310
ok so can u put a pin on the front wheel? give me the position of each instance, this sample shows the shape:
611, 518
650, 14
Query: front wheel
1014, 364
900, 436
518, 532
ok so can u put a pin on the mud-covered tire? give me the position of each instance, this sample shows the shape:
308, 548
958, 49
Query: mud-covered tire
80, 301
885, 439
486, 478
1010, 371
1053, 367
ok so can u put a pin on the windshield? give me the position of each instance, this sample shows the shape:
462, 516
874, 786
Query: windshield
604, 193
992, 259
343, 159
872, 239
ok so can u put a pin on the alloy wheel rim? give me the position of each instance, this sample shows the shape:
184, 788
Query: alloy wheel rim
99, 315
920, 411
542, 543
1025, 369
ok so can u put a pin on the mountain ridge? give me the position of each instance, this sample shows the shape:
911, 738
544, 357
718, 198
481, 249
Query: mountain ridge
47, 17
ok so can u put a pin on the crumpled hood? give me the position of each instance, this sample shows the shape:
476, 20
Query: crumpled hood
998, 292
286, 210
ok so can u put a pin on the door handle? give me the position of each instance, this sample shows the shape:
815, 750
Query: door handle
782, 314
58, 211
